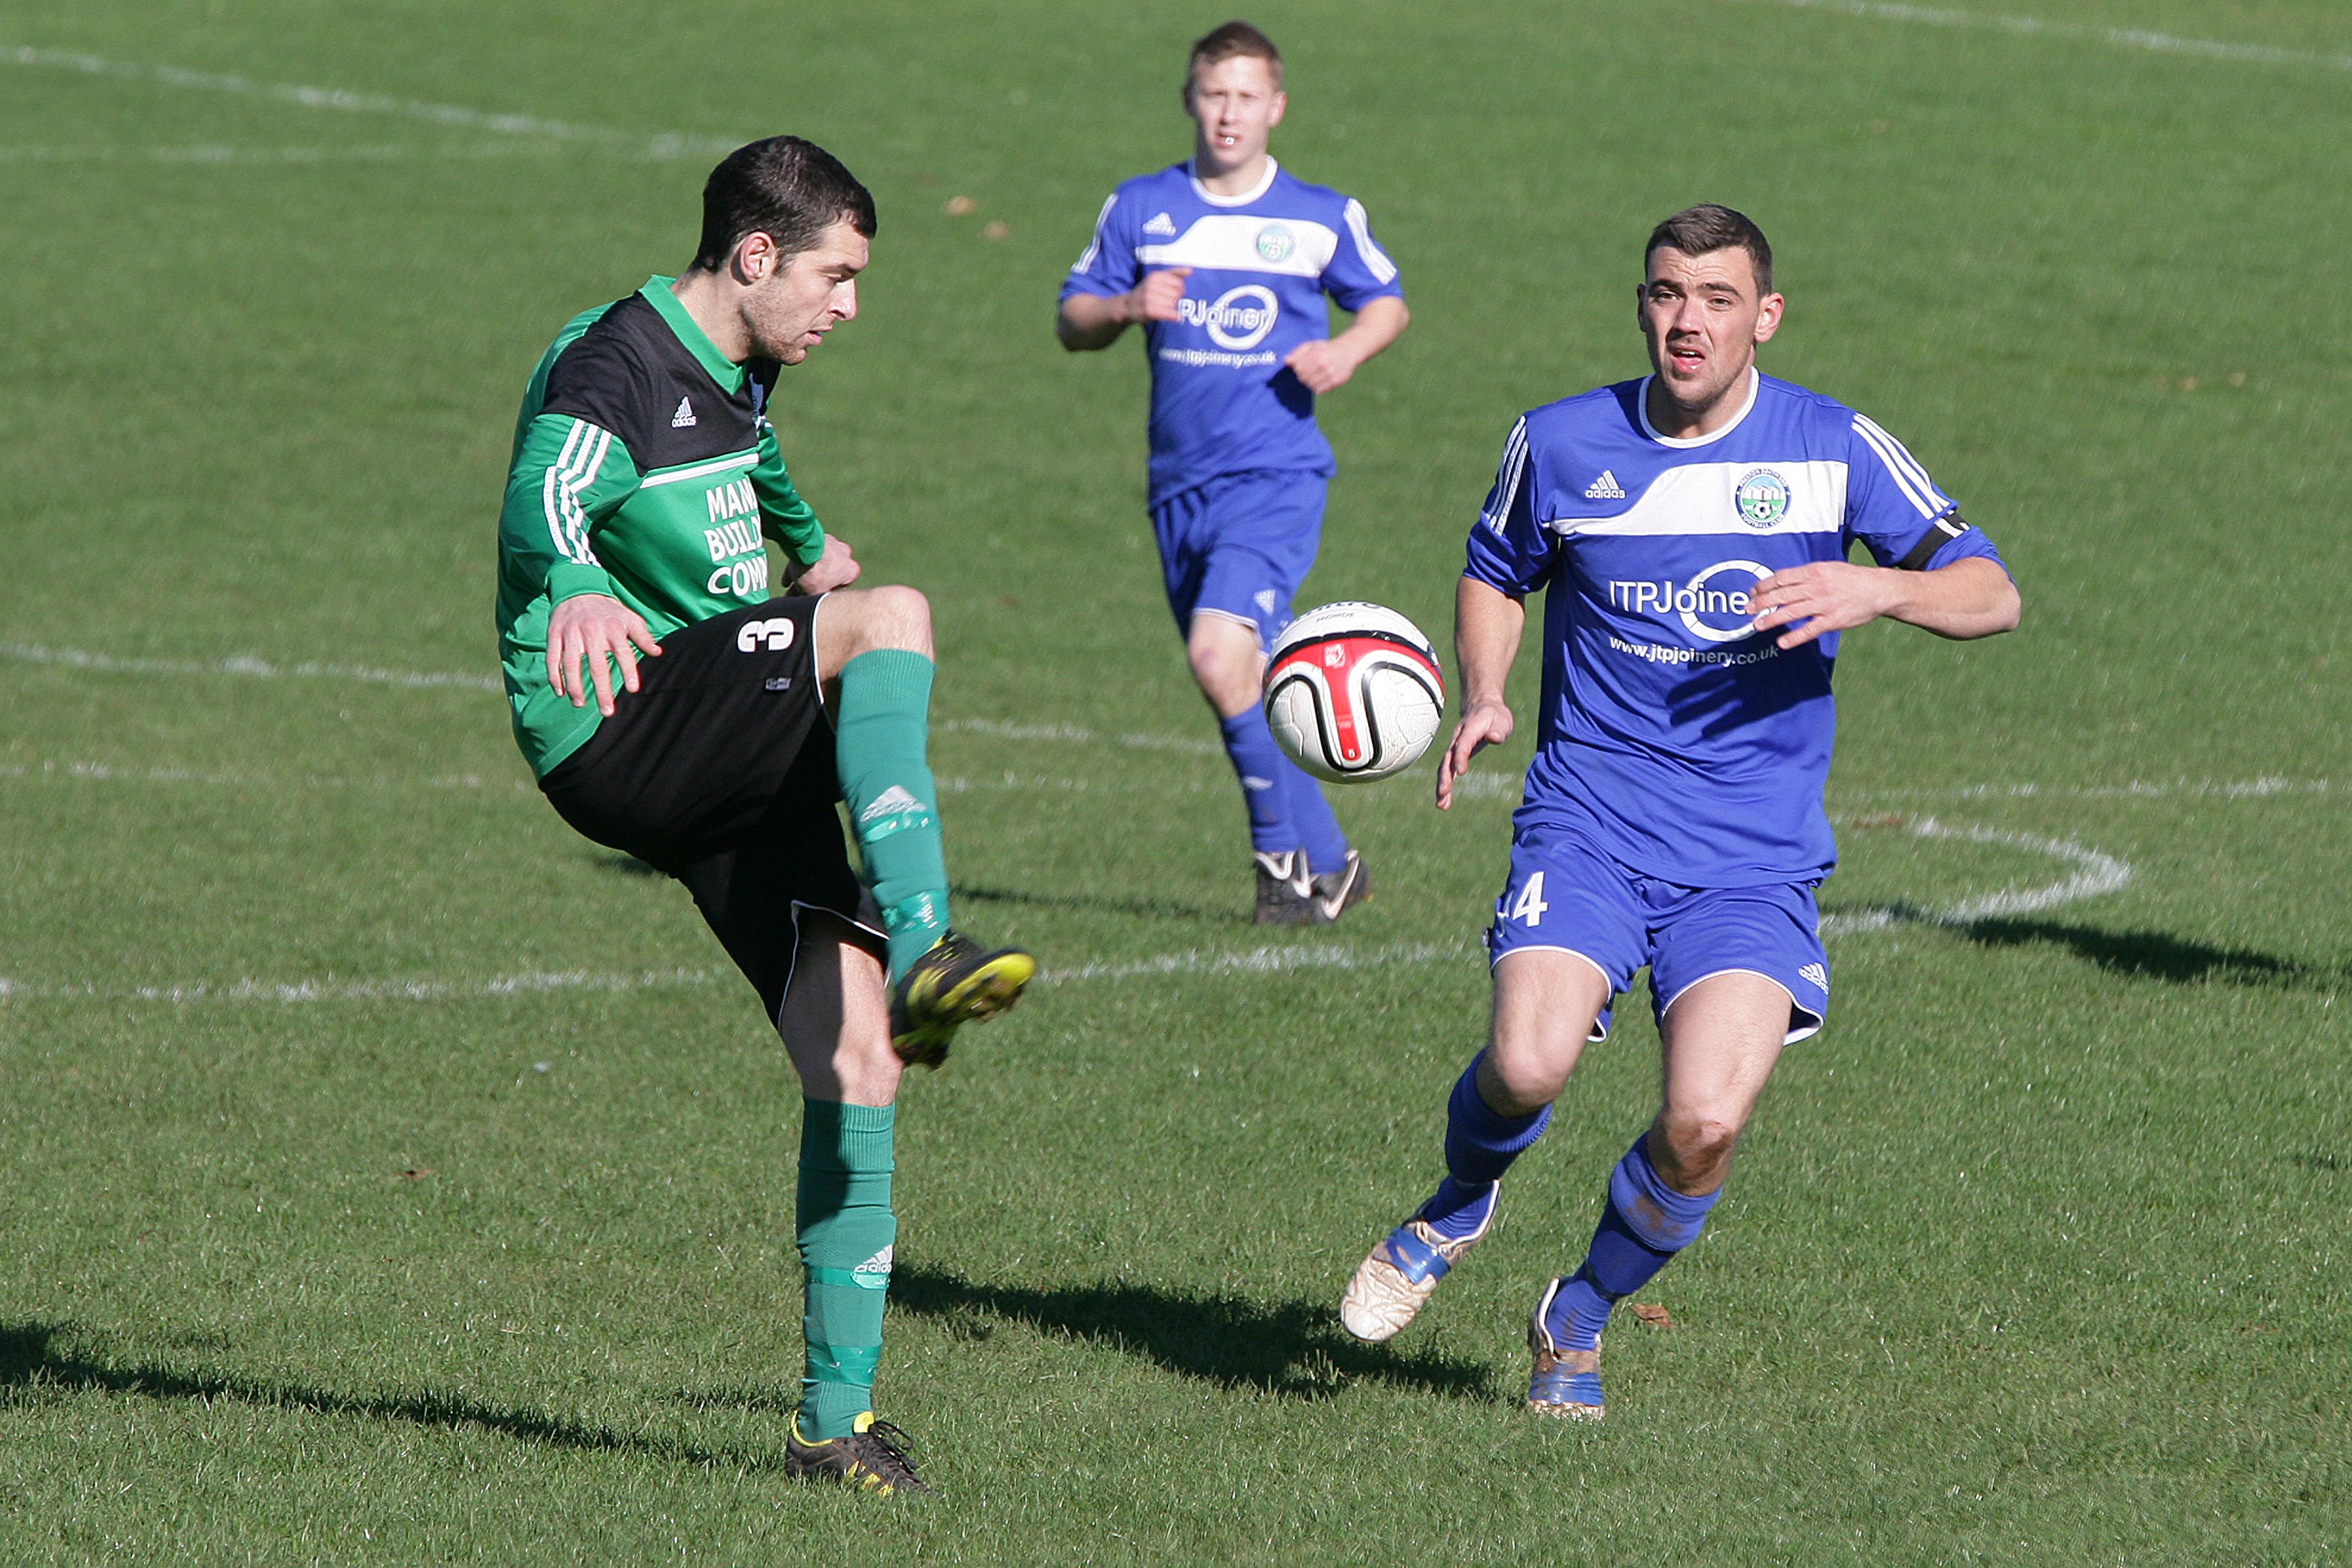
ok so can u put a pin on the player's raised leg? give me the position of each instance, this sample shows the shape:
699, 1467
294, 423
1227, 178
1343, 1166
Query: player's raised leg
879, 642
1547, 1003
1722, 1037
835, 1023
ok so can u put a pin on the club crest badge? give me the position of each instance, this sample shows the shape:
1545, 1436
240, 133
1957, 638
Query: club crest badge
1275, 243
1763, 498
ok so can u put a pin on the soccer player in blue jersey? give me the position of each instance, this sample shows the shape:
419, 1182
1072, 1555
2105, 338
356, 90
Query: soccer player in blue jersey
1689, 532
1224, 260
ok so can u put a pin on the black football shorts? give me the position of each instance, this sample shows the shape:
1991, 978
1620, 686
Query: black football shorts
719, 770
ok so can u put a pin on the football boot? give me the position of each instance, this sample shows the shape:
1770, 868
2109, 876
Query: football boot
957, 982
873, 1455
1286, 892
1397, 1277
1566, 1383
1333, 894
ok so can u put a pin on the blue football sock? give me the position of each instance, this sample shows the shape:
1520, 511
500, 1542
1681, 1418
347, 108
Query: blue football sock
1481, 1142
1259, 763
1459, 1208
1312, 821
1626, 1253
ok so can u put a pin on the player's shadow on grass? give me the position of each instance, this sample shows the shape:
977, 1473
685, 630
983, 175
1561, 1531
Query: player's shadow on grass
1295, 1349
1143, 909
2152, 955
30, 1362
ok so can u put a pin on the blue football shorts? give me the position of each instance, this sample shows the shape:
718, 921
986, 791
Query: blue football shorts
1240, 545
1565, 895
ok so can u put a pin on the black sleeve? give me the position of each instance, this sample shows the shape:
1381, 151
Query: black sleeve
602, 379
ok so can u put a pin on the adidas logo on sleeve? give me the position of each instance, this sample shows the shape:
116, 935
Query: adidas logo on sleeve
1605, 487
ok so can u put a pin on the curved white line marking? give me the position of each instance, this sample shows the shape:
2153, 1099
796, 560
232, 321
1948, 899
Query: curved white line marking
212, 152
666, 144
2095, 874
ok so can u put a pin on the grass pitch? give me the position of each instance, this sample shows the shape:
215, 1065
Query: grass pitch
397, 1177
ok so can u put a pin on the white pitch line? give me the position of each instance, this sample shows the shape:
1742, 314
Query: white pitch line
207, 153
244, 665
2038, 27
665, 144
1260, 960
1006, 730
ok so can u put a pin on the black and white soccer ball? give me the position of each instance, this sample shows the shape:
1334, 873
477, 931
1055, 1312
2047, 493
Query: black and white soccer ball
1354, 692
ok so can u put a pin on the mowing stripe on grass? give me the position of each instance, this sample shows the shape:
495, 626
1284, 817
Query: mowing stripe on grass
2036, 27
663, 145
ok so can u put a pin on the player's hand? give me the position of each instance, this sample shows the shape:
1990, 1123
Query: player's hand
1822, 597
587, 630
1155, 299
1323, 365
1488, 723
836, 568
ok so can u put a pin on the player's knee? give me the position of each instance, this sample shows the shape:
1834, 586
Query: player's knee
1225, 670
1698, 1144
1525, 1072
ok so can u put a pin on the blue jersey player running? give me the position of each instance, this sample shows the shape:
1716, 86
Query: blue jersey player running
1689, 532
1225, 261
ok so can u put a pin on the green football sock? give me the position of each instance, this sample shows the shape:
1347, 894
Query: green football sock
846, 1231
879, 752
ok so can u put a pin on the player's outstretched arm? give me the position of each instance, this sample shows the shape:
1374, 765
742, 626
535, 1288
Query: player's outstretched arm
1969, 598
1487, 626
1325, 364
1095, 320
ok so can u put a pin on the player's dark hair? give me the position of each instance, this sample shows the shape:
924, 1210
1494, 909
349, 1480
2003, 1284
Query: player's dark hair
1694, 231
788, 189
1234, 40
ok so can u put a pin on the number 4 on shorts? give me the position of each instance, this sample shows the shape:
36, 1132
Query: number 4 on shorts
1530, 907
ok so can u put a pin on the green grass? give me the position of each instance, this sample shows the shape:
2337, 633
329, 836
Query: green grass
2036, 1255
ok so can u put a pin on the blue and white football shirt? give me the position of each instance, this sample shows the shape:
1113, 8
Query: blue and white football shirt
1687, 745
1221, 401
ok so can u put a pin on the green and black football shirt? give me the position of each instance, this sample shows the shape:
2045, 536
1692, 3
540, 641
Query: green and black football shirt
644, 467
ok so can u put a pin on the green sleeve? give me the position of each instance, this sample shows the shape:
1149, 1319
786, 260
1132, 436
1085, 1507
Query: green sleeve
785, 516
568, 476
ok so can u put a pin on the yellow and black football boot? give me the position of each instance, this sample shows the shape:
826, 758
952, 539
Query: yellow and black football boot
874, 1456
957, 982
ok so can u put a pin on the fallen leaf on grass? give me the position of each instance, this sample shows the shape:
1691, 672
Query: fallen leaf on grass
1650, 1312
415, 1173
960, 206
997, 230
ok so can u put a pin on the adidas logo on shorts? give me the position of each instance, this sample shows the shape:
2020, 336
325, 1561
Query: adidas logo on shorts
1817, 974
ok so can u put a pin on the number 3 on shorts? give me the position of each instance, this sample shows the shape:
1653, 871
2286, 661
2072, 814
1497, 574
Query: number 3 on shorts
1529, 908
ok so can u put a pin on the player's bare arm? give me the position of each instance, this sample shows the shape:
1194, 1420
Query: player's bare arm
1087, 322
1967, 599
1326, 364
588, 629
1486, 628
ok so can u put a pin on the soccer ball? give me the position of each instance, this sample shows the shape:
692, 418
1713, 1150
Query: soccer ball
1354, 692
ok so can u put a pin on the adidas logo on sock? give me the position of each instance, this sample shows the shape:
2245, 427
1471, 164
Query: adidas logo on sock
684, 417
877, 1264
1253, 783
891, 802
1160, 223
1605, 487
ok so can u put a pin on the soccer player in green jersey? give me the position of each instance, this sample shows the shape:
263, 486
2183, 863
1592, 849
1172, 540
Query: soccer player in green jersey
645, 481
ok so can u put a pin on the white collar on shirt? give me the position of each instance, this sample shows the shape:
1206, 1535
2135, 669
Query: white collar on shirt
1214, 200
1755, 383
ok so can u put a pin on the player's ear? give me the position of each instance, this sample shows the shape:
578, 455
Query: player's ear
755, 258
1768, 317
1274, 114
